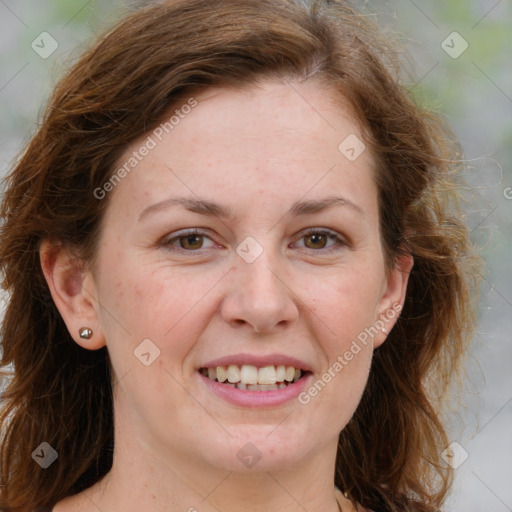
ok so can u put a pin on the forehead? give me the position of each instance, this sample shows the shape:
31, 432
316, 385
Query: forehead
270, 108
282, 140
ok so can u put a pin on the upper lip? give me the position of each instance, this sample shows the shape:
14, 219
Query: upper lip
259, 361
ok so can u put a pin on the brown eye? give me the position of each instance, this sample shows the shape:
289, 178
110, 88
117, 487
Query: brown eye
191, 242
322, 241
188, 241
318, 241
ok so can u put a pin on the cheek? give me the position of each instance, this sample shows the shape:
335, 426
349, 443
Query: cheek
141, 301
346, 303
145, 311
346, 306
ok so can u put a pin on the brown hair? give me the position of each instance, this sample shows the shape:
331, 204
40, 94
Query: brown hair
389, 453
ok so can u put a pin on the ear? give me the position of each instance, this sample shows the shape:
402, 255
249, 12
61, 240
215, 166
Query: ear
74, 292
393, 297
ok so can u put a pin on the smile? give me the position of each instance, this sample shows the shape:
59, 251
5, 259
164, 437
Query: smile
252, 378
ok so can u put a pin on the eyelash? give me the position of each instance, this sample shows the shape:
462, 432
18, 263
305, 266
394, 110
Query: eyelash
331, 235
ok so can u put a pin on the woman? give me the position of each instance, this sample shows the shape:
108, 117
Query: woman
236, 277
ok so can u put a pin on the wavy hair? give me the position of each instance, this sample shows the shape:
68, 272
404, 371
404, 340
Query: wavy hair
389, 453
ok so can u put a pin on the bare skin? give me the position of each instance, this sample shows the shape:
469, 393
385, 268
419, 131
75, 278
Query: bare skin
306, 296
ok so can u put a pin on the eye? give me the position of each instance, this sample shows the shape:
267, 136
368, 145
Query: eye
317, 239
188, 241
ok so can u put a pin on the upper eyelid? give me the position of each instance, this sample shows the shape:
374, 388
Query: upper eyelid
205, 232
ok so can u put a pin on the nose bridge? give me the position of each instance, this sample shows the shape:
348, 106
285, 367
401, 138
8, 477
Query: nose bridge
259, 295
261, 277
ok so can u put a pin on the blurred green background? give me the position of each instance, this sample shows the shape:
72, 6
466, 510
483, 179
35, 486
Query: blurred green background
473, 91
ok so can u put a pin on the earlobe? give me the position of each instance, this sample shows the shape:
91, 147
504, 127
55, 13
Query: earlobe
74, 293
393, 298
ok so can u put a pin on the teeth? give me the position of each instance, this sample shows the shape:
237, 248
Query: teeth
249, 374
267, 375
250, 377
263, 387
221, 374
233, 373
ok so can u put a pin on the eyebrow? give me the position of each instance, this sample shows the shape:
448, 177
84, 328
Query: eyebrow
212, 209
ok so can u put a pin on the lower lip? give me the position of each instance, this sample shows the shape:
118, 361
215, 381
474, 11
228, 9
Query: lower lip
247, 398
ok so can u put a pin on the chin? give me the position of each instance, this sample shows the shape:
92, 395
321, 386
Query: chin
256, 448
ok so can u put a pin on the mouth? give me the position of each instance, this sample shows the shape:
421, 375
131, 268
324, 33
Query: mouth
249, 377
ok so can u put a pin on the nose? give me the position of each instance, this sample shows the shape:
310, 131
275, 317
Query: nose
259, 295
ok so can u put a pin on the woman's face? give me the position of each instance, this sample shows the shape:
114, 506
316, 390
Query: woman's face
250, 174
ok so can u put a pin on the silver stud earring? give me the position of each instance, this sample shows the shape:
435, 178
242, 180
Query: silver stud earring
85, 333
385, 331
